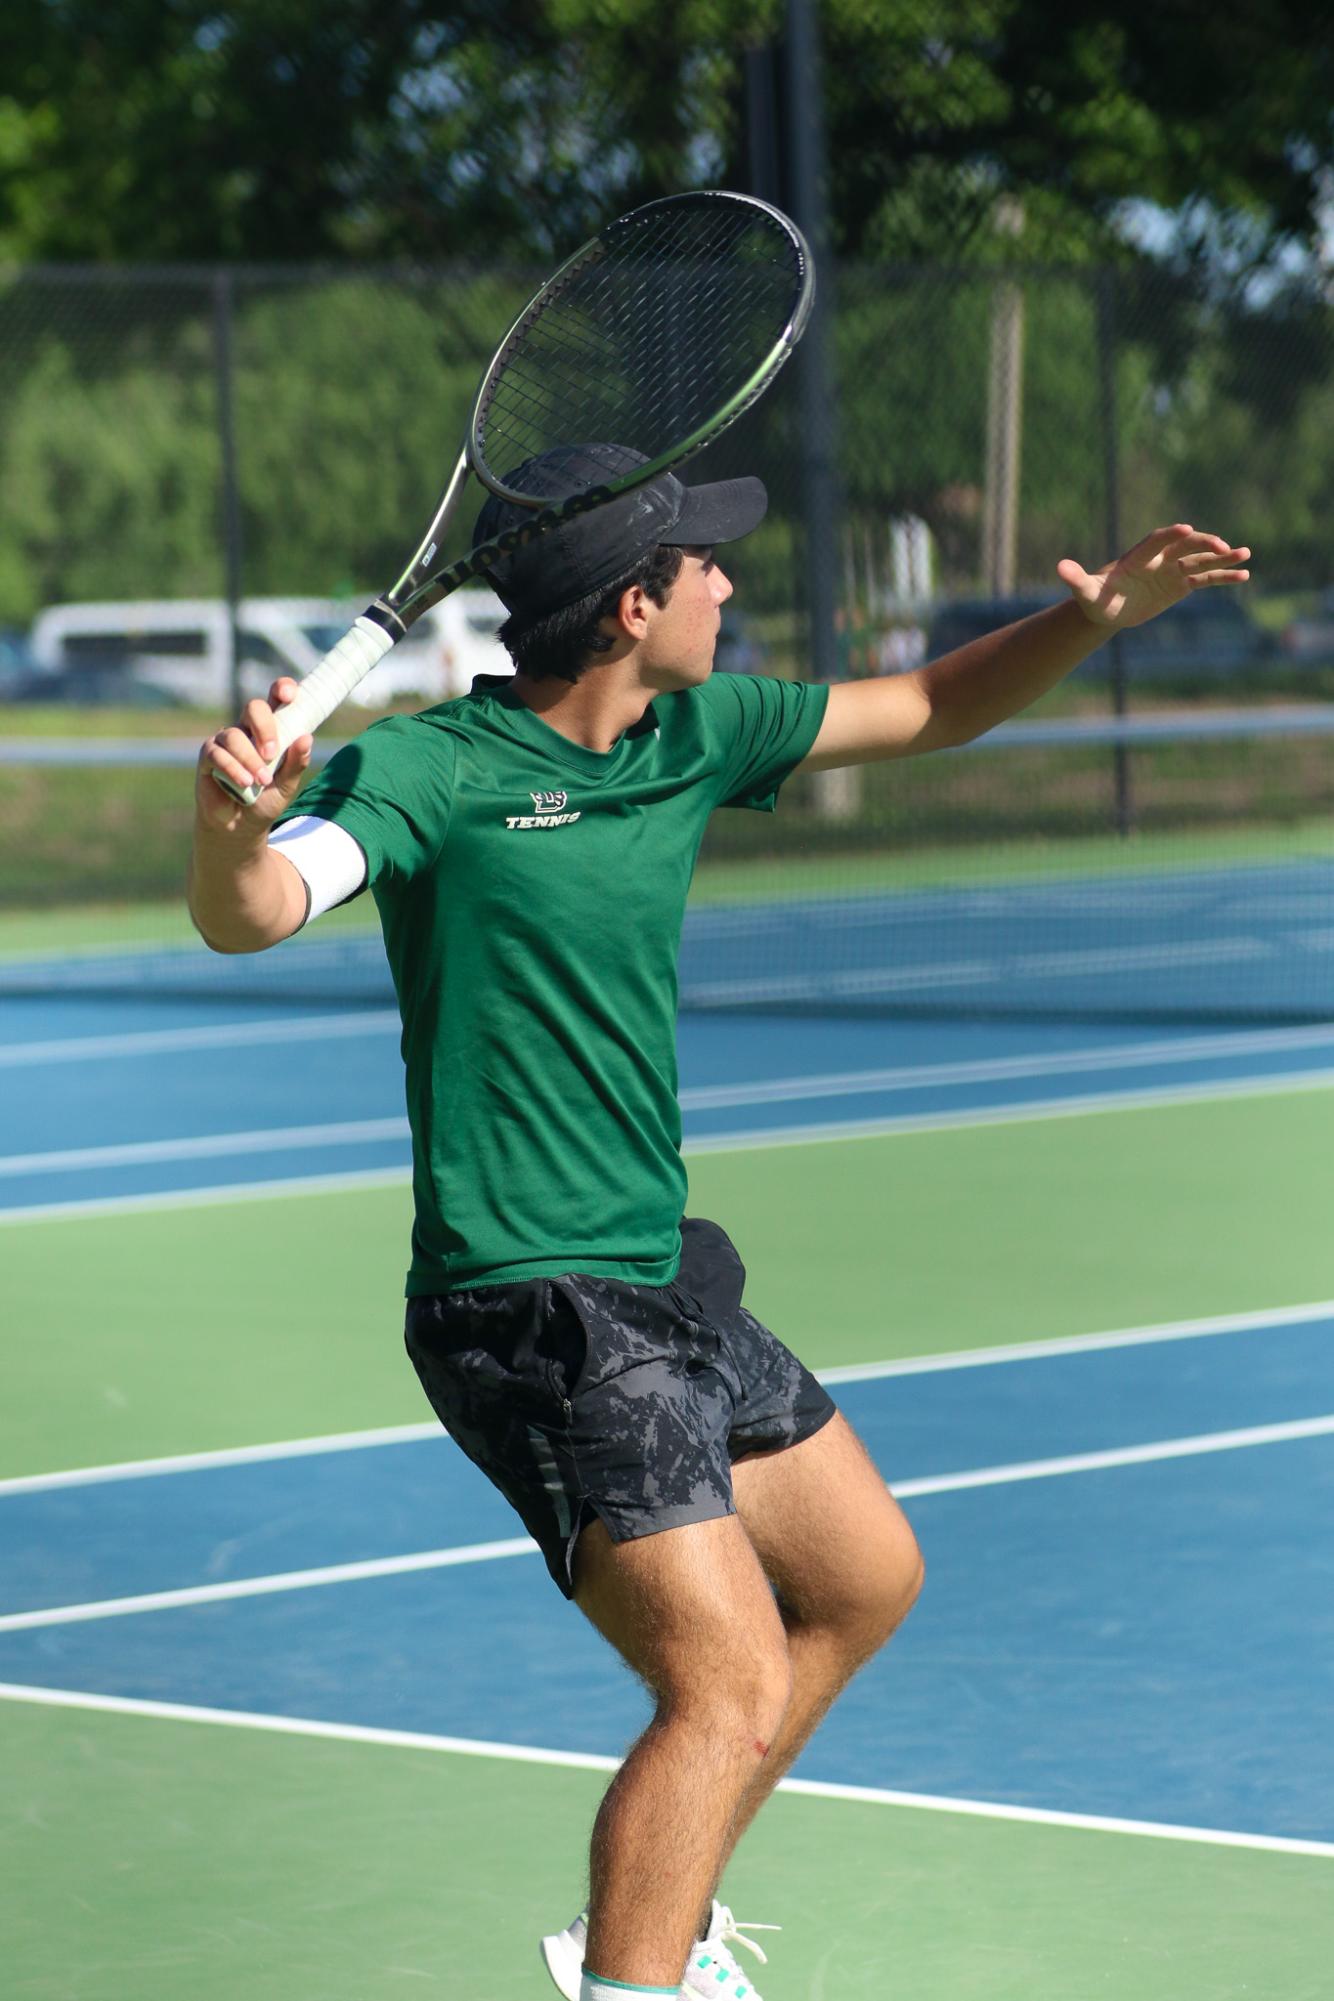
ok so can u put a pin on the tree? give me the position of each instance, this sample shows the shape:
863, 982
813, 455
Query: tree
937, 108
310, 128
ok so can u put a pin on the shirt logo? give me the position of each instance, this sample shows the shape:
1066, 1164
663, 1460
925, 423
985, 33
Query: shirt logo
549, 811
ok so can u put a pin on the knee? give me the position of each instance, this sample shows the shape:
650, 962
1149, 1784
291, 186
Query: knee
908, 1586
742, 1693
887, 1586
894, 1584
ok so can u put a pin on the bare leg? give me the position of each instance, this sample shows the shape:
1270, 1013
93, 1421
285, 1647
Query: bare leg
846, 1569
692, 1612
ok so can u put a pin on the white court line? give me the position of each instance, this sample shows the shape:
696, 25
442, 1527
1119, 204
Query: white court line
219, 1035
1025, 1112
351, 1182
853, 1372
995, 1070
262, 1587
1121, 1455
381, 1021
206, 1146
584, 1761
1077, 1344
485, 1552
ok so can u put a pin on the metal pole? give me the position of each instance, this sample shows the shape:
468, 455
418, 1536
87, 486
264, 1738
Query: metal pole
1005, 394
837, 793
803, 95
763, 167
1005, 413
1121, 773
223, 306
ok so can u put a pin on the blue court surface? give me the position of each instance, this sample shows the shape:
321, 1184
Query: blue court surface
1130, 1617
1130, 1606
139, 1099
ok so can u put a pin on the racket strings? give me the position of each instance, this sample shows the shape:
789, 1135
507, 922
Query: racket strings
666, 324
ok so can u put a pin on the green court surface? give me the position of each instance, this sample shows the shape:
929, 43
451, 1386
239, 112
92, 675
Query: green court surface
189, 1328
156, 1859
146, 1860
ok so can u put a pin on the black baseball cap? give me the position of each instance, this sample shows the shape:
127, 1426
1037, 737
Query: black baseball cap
596, 548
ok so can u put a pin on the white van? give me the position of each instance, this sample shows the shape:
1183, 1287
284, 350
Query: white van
448, 645
182, 646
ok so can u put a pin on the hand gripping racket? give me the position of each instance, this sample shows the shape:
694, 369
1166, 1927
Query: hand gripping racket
659, 333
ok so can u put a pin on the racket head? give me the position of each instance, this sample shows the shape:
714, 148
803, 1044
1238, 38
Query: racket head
656, 335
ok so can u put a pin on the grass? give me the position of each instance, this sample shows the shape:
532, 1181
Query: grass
97, 853
764, 880
162, 922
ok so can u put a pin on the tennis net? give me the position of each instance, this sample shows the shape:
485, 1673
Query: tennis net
1163, 867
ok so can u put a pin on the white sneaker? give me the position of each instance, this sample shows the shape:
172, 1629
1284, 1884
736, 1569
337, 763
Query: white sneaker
712, 1973
563, 1956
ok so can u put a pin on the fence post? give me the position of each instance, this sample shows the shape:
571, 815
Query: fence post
1005, 418
1121, 775
223, 310
837, 793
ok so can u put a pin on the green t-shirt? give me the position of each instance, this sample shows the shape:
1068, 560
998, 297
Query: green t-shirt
532, 893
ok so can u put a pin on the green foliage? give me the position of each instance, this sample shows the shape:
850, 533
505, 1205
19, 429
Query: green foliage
290, 129
108, 484
351, 392
351, 400
936, 107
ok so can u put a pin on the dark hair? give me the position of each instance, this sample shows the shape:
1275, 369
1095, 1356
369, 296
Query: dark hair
563, 644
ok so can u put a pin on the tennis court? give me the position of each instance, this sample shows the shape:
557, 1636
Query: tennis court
290, 1709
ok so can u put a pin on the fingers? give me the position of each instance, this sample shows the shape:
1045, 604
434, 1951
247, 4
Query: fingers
234, 755
1160, 541
1199, 555
259, 724
1219, 564
1198, 544
288, 777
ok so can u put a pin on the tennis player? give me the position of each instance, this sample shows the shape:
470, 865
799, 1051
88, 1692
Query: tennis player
529, 848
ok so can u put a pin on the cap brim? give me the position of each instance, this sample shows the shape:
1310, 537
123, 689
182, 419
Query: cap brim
721, 512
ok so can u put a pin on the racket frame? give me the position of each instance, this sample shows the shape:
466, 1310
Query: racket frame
388, 617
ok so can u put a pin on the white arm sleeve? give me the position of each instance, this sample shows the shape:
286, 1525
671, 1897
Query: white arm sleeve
326, 858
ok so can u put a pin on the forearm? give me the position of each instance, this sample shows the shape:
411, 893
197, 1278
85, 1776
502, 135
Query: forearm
243, 895
957, 697
968, 692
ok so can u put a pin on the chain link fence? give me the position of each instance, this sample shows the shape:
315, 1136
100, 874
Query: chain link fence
249, 439
982, 425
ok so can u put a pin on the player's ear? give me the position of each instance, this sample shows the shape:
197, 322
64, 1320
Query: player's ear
633, 609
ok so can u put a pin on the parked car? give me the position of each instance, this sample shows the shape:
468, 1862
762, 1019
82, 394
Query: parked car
1310, 638
18, 669
954, 625
111, 687
1208, 636
182, 647
738, 650
438, 656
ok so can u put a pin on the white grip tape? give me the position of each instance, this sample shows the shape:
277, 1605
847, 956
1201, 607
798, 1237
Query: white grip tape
333, 680
323, 689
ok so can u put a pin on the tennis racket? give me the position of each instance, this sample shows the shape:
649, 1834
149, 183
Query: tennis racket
659, 333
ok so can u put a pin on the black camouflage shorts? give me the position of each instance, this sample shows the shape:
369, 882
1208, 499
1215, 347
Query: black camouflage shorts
580, 1396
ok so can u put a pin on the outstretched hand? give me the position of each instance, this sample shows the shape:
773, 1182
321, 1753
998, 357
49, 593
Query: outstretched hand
1157, 573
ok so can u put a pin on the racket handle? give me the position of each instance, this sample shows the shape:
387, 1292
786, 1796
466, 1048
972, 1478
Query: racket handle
322, 690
